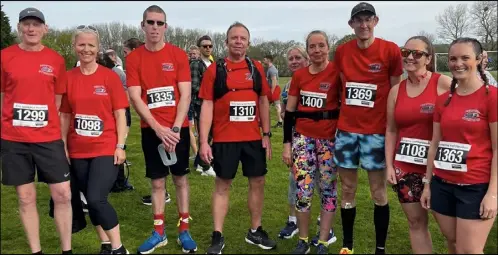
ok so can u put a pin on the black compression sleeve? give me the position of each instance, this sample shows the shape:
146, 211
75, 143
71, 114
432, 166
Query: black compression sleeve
289, 122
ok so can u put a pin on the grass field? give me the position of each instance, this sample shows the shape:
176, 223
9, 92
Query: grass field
136, 219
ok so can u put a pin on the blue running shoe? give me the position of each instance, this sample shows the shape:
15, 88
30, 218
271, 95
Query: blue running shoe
289, 230
153, 242
186, 242
331, 240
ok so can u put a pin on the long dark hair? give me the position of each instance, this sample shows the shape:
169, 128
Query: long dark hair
477, 46
429, 48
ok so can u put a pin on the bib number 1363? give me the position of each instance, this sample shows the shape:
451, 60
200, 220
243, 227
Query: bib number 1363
452, 156
361, 94
242, 111
30, 115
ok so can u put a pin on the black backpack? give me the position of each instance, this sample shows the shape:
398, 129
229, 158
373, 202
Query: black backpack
220, 82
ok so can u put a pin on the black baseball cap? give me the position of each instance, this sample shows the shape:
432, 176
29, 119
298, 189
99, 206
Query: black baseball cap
362, 7
31, 13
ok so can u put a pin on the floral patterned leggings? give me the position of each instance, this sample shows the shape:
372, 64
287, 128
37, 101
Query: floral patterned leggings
313, 158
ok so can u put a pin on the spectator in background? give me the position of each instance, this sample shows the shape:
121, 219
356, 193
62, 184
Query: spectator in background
272, 77
193, 52
121, 183
484, 65
114, 57
197, 69
130, 45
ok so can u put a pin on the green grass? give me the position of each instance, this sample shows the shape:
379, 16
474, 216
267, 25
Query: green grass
136, 219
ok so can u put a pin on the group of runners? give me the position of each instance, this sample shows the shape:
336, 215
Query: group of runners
432, 137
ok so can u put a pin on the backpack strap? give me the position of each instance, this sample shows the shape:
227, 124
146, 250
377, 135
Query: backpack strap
220, 82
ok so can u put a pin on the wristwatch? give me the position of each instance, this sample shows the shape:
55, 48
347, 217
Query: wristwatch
175, 130
267, 134
425, 180
121, 146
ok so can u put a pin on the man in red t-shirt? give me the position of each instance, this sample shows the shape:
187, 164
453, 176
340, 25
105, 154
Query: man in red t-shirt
234, 95
369, 67
158, 80
33, 80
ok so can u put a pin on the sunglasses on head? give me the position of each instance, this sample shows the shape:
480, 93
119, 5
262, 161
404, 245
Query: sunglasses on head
81, 27
417, 54
152, 22
207, 46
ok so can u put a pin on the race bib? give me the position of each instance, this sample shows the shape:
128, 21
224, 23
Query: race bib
360, 94
161, 97
242, 111
30, 115
313, 99
88, 125
452, 156
413, 151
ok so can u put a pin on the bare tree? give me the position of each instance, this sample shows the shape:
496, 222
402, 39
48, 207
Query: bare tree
428, 35
484, 19
454, 22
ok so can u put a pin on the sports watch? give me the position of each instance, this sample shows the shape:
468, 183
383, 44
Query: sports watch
121, 146
267, 134
175, 130
425, 180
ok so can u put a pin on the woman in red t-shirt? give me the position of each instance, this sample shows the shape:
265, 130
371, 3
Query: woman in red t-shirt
410, 108
93, 125
312, 104
462, 191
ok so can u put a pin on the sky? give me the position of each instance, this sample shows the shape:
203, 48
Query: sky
268, 20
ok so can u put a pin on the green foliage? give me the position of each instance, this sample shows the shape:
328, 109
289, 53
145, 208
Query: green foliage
7, 38
61, 41
344, 39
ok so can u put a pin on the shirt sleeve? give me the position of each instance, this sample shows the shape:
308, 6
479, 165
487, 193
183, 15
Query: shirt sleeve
118, 95
265, 90
294, 85
207, 85
439, 107
61, 80
3, 77
183, 72
396, 67
492, 112
132, 74
65, 106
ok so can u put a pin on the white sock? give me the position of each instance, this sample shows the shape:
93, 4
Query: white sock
118, 248
253, 230
293, 219
105, 242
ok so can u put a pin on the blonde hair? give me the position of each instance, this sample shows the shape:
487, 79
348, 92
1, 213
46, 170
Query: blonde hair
300, 49
85, 31
193, 47
317, 32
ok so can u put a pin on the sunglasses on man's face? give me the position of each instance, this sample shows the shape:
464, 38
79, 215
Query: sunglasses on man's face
152, 22
207, 46
417, 54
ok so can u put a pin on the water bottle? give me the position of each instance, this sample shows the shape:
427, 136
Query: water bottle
168, 158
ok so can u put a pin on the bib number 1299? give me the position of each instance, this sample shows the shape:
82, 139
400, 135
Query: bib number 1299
30, 115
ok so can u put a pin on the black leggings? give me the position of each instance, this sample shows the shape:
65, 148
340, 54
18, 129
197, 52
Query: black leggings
95, 177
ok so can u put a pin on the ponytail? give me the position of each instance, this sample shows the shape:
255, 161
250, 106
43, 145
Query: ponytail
452, 90
483, 77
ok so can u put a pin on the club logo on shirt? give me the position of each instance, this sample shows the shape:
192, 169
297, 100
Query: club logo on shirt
168, 67
248, 77
472, 115
47, 70
100, 90
324, 86
427, 108
374, 68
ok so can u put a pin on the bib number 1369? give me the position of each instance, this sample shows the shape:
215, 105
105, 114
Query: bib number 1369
361, 94
30, 115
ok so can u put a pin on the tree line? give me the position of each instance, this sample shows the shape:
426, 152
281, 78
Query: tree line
477, 20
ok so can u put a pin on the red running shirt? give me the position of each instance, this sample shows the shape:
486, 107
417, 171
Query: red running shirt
91, 100
366, 77
158, 73
414, 121
30, 80
465, 136
236, 114
316, 92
